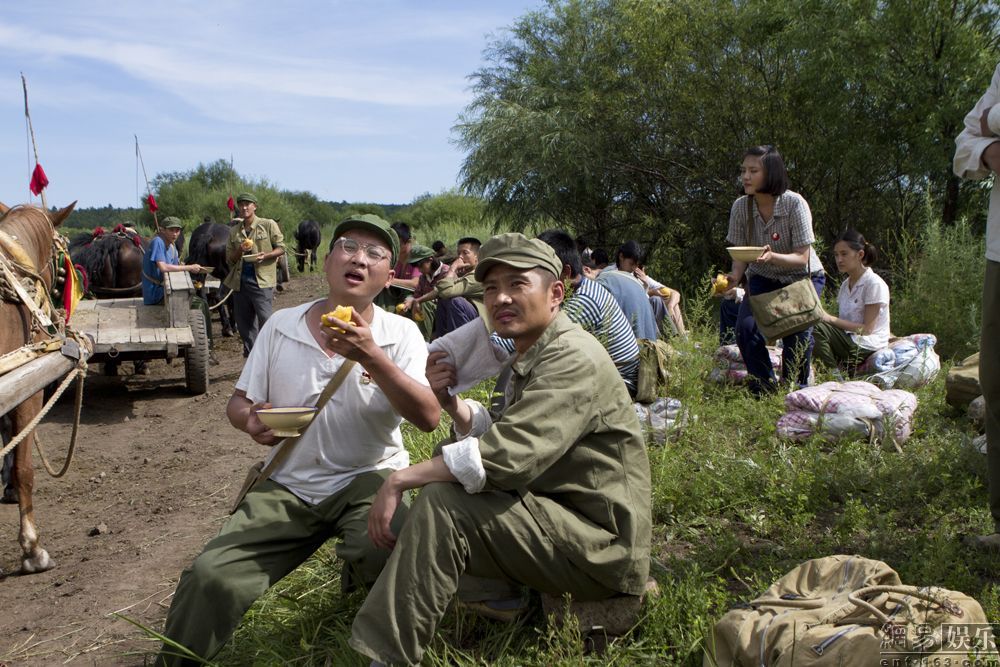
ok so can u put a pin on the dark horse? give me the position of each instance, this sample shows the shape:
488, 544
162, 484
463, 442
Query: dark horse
112, 260
208, 248
308, 238
27, 236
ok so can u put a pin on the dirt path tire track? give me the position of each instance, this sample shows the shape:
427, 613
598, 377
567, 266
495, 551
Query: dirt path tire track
158, 468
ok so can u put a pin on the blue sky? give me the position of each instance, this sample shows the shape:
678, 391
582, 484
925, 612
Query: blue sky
350, 100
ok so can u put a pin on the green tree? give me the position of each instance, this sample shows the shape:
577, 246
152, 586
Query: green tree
628, 118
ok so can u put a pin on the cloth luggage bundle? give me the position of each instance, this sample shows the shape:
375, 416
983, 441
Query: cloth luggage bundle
908, 362
841, 409
729, 366
849, 610
662, 419
961, 386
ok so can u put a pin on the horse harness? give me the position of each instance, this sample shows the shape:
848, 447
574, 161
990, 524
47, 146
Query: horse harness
21, 281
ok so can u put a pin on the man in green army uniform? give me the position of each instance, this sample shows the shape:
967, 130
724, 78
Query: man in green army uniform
554, 495
253, 251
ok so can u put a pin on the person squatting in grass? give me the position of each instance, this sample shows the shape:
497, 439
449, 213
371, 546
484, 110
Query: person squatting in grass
977, 156
861, 326
554, 494
326, 485
782, 225
459, 295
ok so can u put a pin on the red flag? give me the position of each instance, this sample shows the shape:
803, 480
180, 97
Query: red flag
38, 180
153, 208
230, 204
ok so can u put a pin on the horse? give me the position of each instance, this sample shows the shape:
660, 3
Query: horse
27, 240
112, 260
308, 238
113, 264
208, 248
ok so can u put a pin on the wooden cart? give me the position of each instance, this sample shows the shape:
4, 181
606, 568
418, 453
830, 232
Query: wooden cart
127, 330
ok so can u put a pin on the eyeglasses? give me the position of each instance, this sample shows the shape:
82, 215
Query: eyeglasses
350, 247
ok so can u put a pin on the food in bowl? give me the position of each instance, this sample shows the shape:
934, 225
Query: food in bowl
286, 422
745, 253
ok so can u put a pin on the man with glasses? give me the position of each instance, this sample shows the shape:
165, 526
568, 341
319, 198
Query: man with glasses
326, 485
253, 251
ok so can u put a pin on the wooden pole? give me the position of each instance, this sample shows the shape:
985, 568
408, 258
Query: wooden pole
146, 178
31, 129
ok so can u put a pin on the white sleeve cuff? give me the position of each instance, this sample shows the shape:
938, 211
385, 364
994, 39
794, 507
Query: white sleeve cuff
481, 421
465, 463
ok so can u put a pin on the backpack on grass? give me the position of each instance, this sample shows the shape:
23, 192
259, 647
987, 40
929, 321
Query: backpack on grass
849, 610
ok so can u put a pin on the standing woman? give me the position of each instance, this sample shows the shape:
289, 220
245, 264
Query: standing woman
782, 224
862, 326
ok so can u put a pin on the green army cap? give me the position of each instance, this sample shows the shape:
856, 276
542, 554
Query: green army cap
246, 196
419, 253
517, 250
371, 223
170, 221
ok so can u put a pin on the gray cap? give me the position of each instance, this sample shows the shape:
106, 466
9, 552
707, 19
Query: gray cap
518, 251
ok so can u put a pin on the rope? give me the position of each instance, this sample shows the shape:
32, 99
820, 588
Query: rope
76, 427
81, 371
224, 299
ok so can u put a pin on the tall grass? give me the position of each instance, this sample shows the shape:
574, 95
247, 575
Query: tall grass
734, 507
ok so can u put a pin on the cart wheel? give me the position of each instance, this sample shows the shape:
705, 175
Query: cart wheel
196, 356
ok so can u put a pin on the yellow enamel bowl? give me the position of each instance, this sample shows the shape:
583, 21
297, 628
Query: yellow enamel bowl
745, 253
286, 422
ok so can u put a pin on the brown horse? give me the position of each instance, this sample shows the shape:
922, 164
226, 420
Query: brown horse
28, 233
112, 260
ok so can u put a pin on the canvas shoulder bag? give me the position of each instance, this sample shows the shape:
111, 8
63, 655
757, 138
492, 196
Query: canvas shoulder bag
654, 371
785, 311
848, 610
258, 472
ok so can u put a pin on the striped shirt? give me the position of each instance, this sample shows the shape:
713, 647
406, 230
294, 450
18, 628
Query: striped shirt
790, 227
592, 307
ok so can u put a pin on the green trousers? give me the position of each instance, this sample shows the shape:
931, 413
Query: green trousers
989, 380
832, 346
270, 534
449, 532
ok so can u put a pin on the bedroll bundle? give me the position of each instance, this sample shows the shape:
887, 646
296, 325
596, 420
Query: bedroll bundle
909, 362
729, 366
837, 410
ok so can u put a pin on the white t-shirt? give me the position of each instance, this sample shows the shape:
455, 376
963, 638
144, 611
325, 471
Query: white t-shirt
869, 289
358, 429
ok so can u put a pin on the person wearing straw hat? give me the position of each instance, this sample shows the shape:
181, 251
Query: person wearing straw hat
553, 495
253, 251
326, 483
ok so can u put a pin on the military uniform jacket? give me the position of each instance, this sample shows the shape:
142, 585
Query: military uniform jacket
466, 286
569, 443
266, 236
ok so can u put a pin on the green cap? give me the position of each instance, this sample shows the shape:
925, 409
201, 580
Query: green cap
419, 253
517, 250
246, 196
370, 223
171, 221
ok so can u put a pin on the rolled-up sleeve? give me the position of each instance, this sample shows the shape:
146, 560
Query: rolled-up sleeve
970, 144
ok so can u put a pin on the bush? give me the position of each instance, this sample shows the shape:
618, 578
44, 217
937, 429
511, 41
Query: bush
943, 291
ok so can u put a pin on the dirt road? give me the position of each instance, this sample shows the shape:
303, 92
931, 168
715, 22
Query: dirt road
153, 477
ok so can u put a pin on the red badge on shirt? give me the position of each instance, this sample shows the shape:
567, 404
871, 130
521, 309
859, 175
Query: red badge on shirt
775, 236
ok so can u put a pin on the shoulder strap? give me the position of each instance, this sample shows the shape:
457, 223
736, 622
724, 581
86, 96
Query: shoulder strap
289, 443
750, 219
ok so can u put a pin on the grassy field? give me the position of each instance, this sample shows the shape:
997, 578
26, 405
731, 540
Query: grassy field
734, 508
